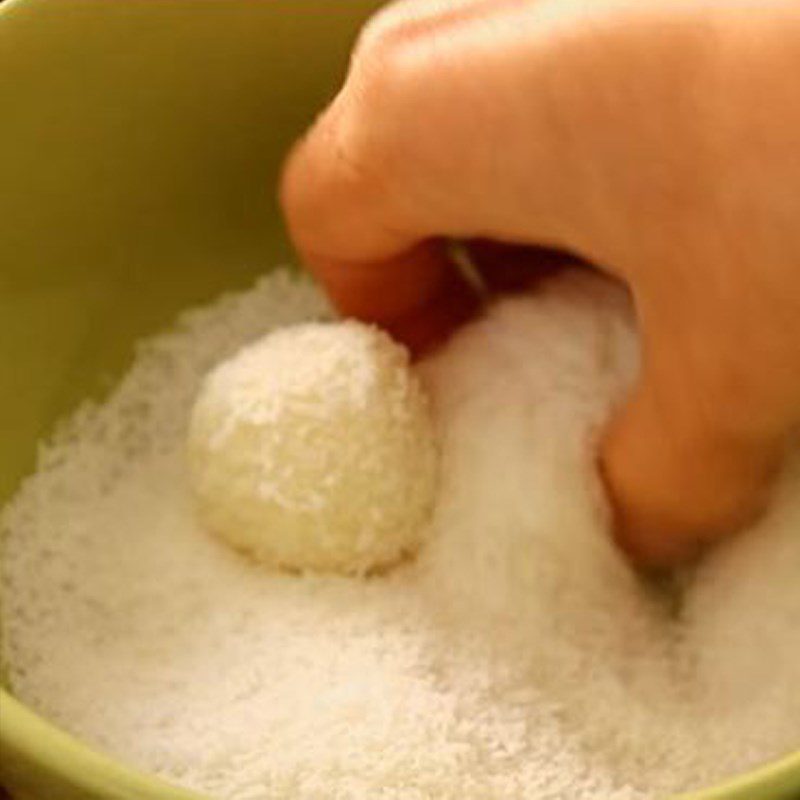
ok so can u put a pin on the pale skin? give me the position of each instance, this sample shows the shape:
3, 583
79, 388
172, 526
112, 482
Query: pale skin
657, 139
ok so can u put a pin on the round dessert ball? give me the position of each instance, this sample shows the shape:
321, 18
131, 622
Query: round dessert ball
313, 449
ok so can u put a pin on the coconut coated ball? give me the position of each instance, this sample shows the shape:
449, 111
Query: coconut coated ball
313, 449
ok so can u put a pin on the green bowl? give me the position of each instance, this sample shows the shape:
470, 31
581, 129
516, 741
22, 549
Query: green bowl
140, 142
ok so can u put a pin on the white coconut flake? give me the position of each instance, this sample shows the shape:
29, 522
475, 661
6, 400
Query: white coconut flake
518, 656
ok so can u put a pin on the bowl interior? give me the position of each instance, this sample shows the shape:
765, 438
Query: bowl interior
139, 152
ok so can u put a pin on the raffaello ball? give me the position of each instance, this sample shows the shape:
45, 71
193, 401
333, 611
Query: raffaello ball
313, 449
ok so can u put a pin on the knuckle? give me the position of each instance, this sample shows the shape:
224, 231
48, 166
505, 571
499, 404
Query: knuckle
365, 142
385, 32
330, 175
388, 89
359, 147
390, 58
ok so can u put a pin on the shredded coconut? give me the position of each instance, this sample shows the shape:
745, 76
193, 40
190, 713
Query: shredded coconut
517, 657
313, 449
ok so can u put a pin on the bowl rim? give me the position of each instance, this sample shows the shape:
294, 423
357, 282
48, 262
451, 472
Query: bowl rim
42, 748
36, 752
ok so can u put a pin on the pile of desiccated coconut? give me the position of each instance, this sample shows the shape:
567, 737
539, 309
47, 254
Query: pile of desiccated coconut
517, 656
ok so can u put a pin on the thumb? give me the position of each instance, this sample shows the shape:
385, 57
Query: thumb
681, 468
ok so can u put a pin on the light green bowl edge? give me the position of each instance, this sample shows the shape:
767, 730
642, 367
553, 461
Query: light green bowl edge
39, 746
42, 746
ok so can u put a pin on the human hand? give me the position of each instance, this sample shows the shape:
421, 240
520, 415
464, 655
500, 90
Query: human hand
658, 139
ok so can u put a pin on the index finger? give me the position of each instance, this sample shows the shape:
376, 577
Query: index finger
408, 153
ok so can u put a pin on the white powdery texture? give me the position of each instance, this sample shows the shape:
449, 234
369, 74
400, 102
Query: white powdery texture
517, 657
313, 449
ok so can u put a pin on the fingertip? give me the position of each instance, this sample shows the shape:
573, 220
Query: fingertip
428, 326
675, 493
418, 296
